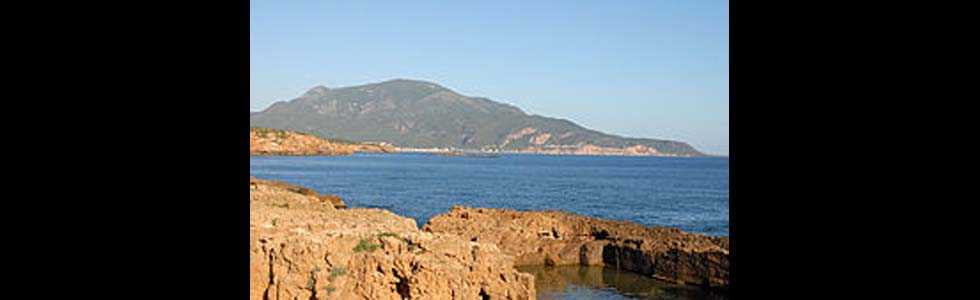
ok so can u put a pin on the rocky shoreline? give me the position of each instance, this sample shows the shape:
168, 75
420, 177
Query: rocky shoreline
561, 238
586, 150
275, 142
305, 245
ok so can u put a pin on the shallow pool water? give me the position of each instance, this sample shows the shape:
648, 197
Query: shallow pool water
603, 283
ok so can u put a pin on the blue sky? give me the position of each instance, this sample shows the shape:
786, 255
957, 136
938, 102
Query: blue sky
655, 69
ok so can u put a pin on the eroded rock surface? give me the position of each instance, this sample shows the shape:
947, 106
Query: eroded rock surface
269, 185
561, 238
302, 247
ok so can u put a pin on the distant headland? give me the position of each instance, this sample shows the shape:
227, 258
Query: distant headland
412, 114
276, 142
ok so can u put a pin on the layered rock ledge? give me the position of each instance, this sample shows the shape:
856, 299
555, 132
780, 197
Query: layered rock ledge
303, 247
561, 238
272, 187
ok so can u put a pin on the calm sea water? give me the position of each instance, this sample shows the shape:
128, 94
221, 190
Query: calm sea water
591, 283
686, 193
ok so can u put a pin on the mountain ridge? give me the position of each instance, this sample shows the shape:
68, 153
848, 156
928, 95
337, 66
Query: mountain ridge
420, 114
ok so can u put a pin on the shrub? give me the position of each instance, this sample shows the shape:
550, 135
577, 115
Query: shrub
334, 272
384, 234
366, 245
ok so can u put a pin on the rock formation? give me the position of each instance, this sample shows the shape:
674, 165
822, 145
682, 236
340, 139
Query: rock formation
561, 238
254, 183
264, 141
302, 247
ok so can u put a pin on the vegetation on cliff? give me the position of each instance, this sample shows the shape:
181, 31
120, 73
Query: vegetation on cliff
418, 114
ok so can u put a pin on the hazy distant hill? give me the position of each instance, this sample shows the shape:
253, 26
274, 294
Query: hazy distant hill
418, 114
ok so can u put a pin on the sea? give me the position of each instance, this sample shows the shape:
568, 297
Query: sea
686, 193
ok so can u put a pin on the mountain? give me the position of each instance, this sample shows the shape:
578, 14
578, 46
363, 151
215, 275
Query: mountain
419, 114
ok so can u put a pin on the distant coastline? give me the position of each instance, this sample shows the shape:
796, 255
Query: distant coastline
545, 152
278, 142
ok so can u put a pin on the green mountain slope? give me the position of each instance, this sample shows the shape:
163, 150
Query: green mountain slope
418, 114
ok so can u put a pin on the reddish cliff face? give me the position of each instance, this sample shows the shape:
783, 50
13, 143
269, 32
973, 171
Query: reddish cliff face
303, 247
560, 238
264, 141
